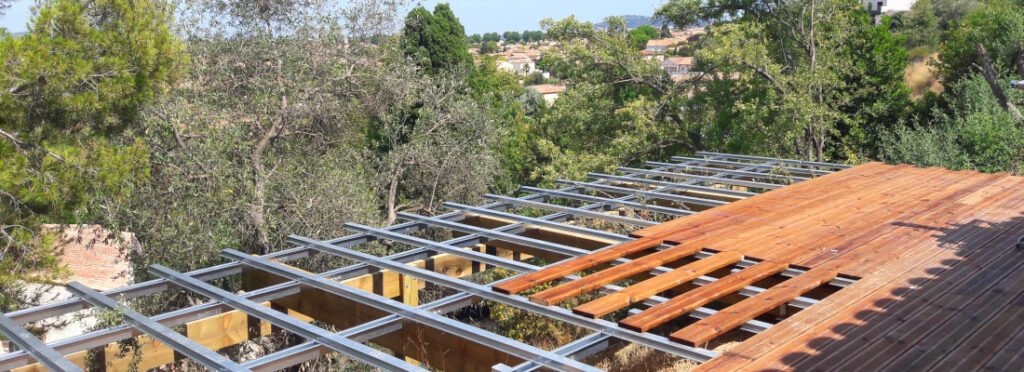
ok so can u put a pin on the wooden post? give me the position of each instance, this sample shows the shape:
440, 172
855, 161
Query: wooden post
410, 296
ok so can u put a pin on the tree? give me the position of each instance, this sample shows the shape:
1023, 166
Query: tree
436, 42
491, 36
816, 81
512, 36
73, 85
489, 47
999, 27
665, 32
615, 25
474, 39
641, 35
920, 26
968, 130
533, 36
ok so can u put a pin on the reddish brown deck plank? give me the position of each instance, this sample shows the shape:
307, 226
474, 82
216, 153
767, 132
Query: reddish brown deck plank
833, 317
610, 275
686, 302
574, 265
640, 291
737, 314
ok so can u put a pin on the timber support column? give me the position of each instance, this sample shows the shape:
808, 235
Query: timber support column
410, 296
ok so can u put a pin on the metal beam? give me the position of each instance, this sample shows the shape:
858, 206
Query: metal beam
575, 211
608, 201
646, 193
666, 185
191, 349
728, 172
803, 163
554, 312
430, 319
755, 166
43, 354
346, 346
718, 180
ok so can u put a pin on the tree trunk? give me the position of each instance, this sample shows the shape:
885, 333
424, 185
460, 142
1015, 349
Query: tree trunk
989, 73
396, 177
257, 211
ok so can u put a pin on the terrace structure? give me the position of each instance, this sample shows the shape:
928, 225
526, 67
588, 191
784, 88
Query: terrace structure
801, 265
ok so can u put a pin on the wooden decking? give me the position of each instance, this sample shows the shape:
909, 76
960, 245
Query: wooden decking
940, 284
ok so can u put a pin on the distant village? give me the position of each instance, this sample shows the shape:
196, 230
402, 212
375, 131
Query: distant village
522, 58
673, 53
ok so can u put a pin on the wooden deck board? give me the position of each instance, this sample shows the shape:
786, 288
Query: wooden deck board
939, 284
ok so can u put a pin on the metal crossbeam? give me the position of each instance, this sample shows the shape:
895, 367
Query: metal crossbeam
767, 167
346, 346
442, 247
728, 172
541, 222
718, 180
43, 354
645, 193
554, 312
578, 349
433, 320
666, 185
576, 211
804, 163
191, 349
608, 201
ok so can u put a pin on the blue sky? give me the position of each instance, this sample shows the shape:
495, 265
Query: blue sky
478, 16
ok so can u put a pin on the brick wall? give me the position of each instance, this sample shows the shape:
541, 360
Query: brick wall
95, 255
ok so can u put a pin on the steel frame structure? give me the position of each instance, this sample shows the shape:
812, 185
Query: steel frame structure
709, 181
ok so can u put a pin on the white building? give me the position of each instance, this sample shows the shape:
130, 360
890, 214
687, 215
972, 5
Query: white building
885, 6
677, 65
548, 91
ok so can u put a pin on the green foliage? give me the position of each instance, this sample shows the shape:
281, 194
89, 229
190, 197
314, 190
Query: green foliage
999, 26
951, 11
533, 36
827, 85
435, 41
74, 83
489, 47
474, 39
491, 36
665, 33
920, 26
639, 36
512, 36
972, 132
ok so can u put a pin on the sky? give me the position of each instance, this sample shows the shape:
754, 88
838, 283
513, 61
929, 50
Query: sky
480, 16
477, 16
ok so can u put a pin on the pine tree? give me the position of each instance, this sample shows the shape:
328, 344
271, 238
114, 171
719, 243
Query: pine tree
437, 42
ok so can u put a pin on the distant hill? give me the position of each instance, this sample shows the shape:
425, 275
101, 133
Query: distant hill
634, 21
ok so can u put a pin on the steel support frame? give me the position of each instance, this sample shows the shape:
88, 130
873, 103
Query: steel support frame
416, 314
187, 347
553, 312
231, 268
39, 350
322, 336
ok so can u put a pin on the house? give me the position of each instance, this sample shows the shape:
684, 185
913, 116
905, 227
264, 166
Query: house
660, 45
677, 65
548, 91
522, 65
650, 55
883, 6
